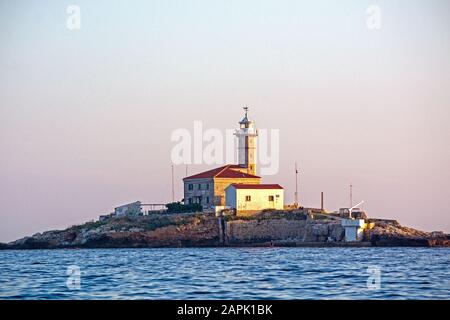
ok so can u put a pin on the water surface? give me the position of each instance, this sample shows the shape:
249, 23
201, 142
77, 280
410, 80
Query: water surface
228, 273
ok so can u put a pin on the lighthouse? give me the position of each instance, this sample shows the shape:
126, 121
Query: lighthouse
235, 186
247, 135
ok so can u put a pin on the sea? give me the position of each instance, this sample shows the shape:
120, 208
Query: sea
226, 273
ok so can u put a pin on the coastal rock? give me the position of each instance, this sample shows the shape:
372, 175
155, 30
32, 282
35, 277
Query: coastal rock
281, 228
337, 232
320, 230
391, 233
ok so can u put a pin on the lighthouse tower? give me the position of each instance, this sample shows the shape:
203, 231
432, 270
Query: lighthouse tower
246, 135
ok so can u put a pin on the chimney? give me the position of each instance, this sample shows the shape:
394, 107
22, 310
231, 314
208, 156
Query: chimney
321, 201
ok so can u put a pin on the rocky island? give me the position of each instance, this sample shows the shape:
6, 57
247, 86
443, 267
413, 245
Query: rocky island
237, 217
267, 228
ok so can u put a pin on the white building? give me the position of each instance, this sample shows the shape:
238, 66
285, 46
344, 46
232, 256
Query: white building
128, 209
250, 198
354, 229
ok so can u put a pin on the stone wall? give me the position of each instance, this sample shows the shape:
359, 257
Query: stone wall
206, 191
246, 231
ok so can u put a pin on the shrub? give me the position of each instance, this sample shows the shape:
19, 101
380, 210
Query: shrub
178, 207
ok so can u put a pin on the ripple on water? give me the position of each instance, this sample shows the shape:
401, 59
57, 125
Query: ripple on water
227, 273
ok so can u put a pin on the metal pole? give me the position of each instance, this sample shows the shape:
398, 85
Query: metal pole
296, 186
321, 201
351, 195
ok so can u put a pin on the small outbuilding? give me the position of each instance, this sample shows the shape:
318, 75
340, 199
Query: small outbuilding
128, 209
250, 198
354, 229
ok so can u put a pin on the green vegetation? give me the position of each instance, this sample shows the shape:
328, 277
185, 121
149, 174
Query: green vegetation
178, 207
88, 225
160, 221
146, 223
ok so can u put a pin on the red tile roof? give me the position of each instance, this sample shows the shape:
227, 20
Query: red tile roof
222, 172
256, 186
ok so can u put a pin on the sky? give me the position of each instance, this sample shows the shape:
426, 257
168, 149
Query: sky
86, 115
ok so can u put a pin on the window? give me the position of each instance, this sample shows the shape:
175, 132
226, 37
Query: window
199, 186
207, 200
248, 198
270, 198
207, 186
190, 187
190, 200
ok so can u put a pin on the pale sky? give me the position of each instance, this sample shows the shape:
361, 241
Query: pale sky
86, 115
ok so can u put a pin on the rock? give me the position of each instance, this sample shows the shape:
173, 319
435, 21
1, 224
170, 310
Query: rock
70, 236
337, 232
320, 230
437, 234
391, 233
199, 230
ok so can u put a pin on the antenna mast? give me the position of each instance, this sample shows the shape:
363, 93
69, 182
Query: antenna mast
246, 110
296, 187
351, 195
